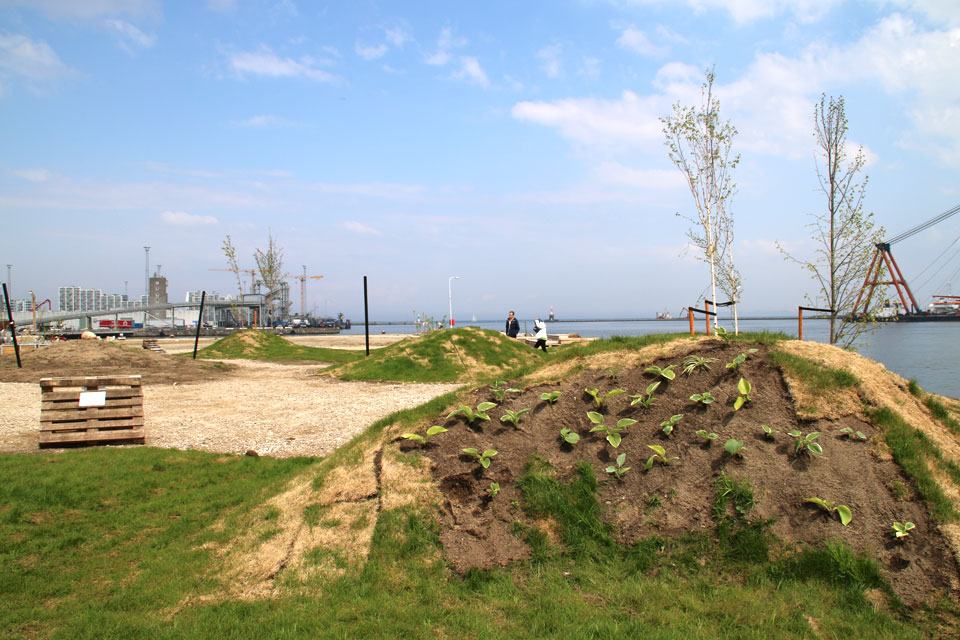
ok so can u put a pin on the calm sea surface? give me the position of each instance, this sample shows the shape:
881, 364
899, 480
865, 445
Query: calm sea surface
927, 352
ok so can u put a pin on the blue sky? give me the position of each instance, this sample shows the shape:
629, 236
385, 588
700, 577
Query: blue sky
515, 145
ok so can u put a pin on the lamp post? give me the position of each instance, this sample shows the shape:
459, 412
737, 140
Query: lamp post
450, 294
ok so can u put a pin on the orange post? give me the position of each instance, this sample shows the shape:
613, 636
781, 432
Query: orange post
800, 323
690, 317
706, 306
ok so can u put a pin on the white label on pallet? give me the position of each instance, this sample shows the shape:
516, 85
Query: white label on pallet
93, 398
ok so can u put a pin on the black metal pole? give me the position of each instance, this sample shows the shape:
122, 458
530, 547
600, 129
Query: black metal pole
203, 296
366, 315
13, 327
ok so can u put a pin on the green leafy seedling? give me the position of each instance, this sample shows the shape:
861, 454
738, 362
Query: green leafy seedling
804, 444
432, 431
612, 372
670, 423
645, 399
902, 529
551, 397
482, 458
666, 372
619, 469
853, 435
470, 414
613, 433
734, 447
599, 398
768, 432
499, 389
513, 417
722, 333
569, 436
842, 510
739, 360
691, 363
659, 455
494, 489
707, 436
705, 398
745, 388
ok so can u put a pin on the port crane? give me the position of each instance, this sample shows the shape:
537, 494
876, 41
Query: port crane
303, 287
883, 258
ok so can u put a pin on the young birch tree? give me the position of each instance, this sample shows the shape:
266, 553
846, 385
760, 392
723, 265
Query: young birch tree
845, 236
699, 145
270, 266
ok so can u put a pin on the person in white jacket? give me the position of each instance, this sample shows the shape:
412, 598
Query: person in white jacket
540, 327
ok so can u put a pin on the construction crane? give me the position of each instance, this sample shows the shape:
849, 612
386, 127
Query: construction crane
303, 287
251, 272
883, 257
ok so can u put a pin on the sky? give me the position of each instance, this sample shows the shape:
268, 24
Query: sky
515, 145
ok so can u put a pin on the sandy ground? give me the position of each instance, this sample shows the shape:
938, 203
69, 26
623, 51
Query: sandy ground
273, 409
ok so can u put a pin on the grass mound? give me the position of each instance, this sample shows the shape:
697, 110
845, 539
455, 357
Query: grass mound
454, 355
263, 345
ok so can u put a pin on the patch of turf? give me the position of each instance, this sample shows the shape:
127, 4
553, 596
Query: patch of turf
817, 376
263, 345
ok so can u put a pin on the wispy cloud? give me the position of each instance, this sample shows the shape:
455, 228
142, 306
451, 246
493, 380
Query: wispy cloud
32, 175
264, 62
358, 227
89, 9
471, 71
30, 59
446, 43
745, 11
550, 57
266, 121
636, 40
181, 219
370, 52
130, 33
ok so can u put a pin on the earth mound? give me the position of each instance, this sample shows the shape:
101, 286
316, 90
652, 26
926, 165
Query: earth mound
676, 493
99, 358
452, 355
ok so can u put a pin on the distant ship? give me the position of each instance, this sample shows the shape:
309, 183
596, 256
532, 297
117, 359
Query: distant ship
664, 315
943, 308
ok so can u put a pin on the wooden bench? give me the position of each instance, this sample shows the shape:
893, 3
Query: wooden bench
91, 410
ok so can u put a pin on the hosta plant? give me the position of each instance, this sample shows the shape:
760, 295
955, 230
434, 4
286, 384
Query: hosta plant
614, 437
670, 423
902, 529
499, 390
745, 388
734, 447
471, 414
739, 360
709, 437
645, 399
768, 432
691, 363
705, 398
550, 397
804, 444
619, 469
494, 489
722, 333
432, 431
842, 510
599, 398
667, 372
659, 455
483, 458
569, 436
513, 417
853, 435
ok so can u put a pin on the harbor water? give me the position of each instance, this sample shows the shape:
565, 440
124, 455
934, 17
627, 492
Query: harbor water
927, 352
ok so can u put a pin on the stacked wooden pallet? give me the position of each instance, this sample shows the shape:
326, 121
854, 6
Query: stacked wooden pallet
91, 410
153, 345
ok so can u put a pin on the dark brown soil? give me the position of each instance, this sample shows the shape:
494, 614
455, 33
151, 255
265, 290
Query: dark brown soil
670, 500
96, 358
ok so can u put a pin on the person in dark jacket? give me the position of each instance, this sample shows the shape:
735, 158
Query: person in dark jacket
513, 326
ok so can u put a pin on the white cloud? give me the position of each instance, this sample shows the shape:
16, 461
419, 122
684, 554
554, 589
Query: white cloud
32, 175
266, 63
743, 11
445, 44
398, 36
88, 9
131, 33
471, 71
636, 40
265, 121
34, 60
617, 174
360, 228
550, 56
370, 53
180, 219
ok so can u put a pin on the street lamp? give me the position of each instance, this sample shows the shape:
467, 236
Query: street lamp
450, 294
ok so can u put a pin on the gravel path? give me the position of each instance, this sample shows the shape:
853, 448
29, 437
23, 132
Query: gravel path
273, 409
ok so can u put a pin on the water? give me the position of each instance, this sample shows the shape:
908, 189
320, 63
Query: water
923, 351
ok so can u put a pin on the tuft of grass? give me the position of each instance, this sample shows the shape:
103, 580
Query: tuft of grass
835, 563
443, 356
263, 345
914, 388
912, 451
817, 376
741, 540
